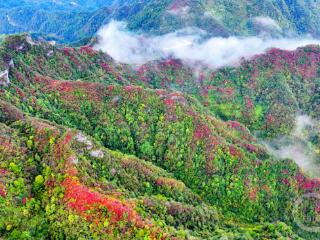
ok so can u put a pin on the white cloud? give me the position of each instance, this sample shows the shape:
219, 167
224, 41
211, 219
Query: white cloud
267, 22
302, 122
186, 44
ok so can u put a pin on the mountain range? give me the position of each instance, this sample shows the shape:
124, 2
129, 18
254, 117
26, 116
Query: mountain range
174, 146
77, 20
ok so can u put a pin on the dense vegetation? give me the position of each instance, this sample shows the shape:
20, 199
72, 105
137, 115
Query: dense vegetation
94, 149
57, 5
82, 19
265, 92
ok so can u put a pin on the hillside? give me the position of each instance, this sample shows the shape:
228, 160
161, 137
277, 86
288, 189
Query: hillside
275, 85
44, 17
224, 18
57, 4
95, 149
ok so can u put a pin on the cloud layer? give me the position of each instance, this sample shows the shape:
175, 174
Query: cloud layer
186, 44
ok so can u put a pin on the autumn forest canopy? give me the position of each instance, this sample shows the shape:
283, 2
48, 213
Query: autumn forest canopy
174, 119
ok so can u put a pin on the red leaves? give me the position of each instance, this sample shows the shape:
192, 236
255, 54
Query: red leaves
106, 67
110, 88
266, 188
270, 119
50, 183
250, 148
39, 79
142, 71
62, 86
67, 138
82, 200
253, 193
180, 81
132, 90
286, 182
172, 98
93, 91
233, 151
228, 91
204, 92
160, 92
169, 102
234, 124
249, 103
318, 208
129, 88
201, 131
3, 192
67, 51
70, 53
109, 69
164, 72
91, 204
170, 183
88, 50
24, 201
302, 61
307, 184
170, 63
71, 170
19, 77
311, 184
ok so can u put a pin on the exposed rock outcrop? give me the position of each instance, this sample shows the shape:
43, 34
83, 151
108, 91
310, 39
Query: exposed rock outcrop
4, 78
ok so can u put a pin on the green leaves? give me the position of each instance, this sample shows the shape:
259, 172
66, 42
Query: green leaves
15, 168
147, 149
29, 143
38, 182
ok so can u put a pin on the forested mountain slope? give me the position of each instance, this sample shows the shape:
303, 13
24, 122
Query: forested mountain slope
57, 4
73, 21
95, 149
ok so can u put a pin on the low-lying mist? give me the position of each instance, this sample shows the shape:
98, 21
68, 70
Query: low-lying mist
297, 146
187, 44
